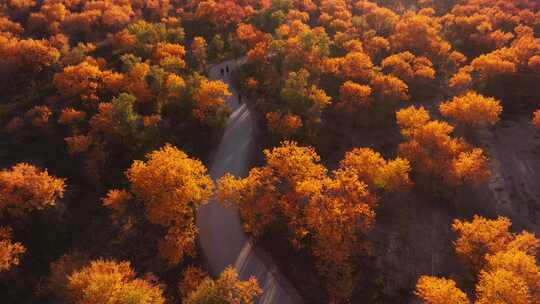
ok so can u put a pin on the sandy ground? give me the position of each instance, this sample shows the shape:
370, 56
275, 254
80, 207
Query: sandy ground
222, 240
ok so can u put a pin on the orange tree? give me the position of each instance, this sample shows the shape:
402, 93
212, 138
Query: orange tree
472, 109
433, 152
170, 186
327, 213
23, 189
108, 281
227, 288
505, 262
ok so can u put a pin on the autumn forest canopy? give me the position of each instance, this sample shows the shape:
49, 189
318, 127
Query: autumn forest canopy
372, 151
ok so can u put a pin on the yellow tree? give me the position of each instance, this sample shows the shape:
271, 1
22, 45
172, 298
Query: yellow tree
433, 152
521, 264
25, 188
227, 288
82, 80
482, 236
388, 89
507, 265
107, 281
171, 187
469, 168
354, 96
210, 98
375, 171
502, 287
433, 290
356, 65
339, 214
330, 213
259, 200
472, 109
170, 55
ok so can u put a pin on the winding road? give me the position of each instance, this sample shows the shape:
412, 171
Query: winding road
223, 242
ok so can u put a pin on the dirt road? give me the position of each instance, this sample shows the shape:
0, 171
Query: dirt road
222, 240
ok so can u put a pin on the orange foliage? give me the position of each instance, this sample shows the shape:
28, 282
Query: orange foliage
104, 281
210, 96
408, 67
258, 199
330, 210
171, 186
469, 168
354, 96
508, 272
191, 278
9, 251
170, 54
432, 150
419, 34
26, 55
357, 65
472, 109
482, 236
78, 144
82, 81
389, 89
25, 188
71, 116
199, 50
502, 286
227, 288
117, 200
283, 125
223, 13
433, 290
338, 209
375, 171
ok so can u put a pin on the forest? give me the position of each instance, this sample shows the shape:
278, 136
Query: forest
269, 151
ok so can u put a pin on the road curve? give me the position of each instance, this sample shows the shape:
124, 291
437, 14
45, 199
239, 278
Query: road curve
222, 240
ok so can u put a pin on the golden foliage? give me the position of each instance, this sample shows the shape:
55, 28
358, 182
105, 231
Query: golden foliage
283, 125
482, 236
375, 171
170, 54
82, 81
210, 96
433, 152
330, 212
171, 186
192, 277
357, 65
24, 188
10, 251
472, 109
107, 281
354, 96
433, 290
227, 288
